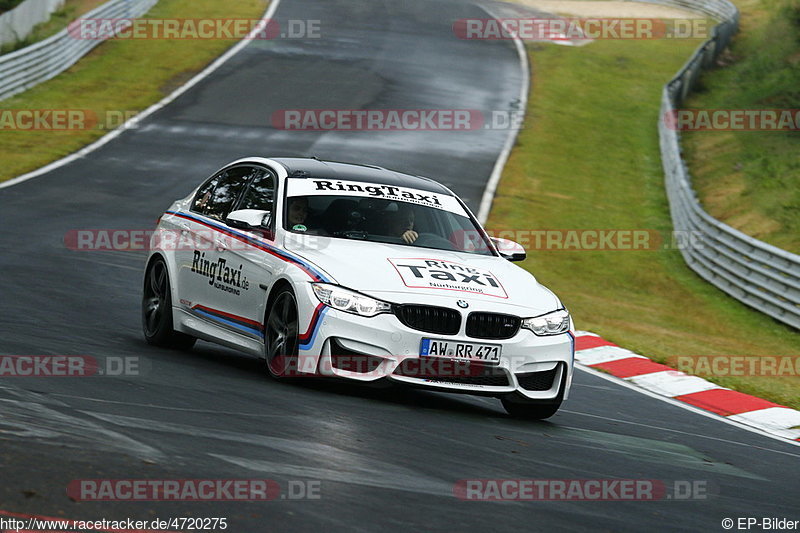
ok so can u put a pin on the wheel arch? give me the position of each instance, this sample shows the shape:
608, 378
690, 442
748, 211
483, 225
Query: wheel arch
306, 302
276, 288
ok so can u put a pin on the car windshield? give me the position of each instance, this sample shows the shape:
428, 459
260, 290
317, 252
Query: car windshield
380, 213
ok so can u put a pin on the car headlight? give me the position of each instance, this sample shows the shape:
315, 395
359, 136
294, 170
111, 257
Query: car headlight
349, 301
553, 323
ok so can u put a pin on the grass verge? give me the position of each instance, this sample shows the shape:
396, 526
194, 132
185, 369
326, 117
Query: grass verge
751, 180
588, 157
120, 75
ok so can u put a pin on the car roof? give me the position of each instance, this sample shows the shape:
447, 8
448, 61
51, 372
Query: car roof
315, 168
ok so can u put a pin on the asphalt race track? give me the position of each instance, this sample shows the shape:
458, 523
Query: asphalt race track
386, 459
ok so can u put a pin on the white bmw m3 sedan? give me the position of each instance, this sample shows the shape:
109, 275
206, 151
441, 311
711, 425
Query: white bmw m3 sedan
356, 272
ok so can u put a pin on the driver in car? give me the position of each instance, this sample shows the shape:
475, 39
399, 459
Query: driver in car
401, 223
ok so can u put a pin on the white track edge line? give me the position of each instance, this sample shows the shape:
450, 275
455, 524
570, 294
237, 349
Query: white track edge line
685, 406
494, 178
273, 6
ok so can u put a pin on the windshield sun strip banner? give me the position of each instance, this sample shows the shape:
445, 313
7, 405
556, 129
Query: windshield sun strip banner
361, 189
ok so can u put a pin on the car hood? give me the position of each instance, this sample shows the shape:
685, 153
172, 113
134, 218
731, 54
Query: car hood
396, 272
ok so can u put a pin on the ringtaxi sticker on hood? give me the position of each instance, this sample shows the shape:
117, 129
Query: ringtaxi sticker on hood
426, 273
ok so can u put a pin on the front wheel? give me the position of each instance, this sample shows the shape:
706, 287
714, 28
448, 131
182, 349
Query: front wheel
281, 336
529, 410
157, 310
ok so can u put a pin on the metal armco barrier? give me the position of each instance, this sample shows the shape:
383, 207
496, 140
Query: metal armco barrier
39, 62
752, 271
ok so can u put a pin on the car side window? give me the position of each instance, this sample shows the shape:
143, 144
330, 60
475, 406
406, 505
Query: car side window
217, 196
204, 195
260, 194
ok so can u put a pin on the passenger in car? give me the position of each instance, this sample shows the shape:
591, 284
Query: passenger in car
298, 211
301, 217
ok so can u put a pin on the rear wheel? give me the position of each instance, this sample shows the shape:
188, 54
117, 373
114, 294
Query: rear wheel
281, 336
157, 310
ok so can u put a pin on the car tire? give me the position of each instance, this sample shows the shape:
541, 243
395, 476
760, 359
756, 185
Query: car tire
157, 323
518, 406
529, 410
281, 335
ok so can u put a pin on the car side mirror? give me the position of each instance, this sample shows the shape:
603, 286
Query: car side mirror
249, 219
509, 249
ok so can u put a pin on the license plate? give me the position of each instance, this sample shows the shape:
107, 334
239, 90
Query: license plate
487, 353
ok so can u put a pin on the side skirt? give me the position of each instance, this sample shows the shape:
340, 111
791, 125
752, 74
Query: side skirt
208, 331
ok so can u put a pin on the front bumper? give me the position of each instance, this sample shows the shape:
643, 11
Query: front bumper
368, 349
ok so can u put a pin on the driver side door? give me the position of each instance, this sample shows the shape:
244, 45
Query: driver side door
255, 261
209, 283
